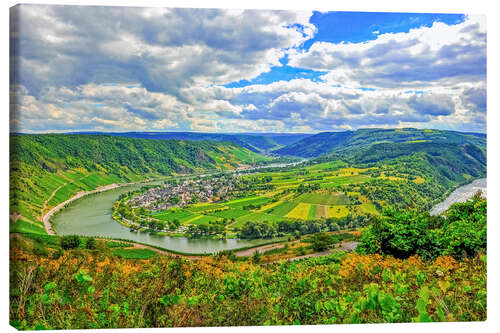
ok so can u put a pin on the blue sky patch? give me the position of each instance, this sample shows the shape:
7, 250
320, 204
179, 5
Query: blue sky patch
357, 27
280, 73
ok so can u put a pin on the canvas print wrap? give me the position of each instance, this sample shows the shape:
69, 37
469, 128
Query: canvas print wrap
211, 167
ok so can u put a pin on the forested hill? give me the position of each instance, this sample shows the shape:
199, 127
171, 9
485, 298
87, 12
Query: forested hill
109, 154
47, 169
333, 142
257, 142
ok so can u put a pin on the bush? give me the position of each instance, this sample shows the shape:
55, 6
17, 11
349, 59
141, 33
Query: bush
70, 242
40, 249
57, 254
91, 244
321, 242
403, 234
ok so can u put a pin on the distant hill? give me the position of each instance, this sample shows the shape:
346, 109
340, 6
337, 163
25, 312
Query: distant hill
336, 142
257, 142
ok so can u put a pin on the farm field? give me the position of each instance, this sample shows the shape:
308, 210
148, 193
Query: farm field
323, 199
301, 211
312, 212
178, 214
282, 209
337, 211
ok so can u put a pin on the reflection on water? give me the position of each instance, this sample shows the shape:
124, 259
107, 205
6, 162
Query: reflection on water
461, 194
91, 216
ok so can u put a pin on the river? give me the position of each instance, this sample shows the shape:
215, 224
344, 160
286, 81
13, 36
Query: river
91, 216
461, 194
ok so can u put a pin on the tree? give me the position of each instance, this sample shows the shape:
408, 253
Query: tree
321, 242
70, 242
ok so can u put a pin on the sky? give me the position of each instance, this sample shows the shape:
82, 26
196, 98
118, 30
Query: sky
76, 68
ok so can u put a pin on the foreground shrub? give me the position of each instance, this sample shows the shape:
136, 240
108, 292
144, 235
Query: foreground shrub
461, 232
90, 244
70, 242
92, 290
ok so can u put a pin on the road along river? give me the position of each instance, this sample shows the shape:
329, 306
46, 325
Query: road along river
461, 194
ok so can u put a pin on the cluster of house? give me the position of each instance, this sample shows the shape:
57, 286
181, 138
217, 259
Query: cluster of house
188, 192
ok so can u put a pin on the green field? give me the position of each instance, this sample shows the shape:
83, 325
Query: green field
230, 213
312, 212
175, 214
202, 219
282, 209
323, 199
257, 217
250, 201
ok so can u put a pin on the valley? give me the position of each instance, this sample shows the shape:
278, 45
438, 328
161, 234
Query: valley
351, 217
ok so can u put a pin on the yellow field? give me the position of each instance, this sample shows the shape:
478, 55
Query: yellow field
418, 180
301, 211
383, 176
345, 172
338, 211
368, 208
271, 205
193, 219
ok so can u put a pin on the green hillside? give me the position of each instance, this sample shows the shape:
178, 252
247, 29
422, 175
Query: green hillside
48, 169
333, 142
257, 142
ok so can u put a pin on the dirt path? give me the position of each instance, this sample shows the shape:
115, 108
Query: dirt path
322, 211
46, 218
260, 249
57, 189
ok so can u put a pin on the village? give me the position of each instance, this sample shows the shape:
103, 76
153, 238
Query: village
190, 191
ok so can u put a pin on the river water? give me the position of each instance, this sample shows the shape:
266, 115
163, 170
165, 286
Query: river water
91, 216
461, 194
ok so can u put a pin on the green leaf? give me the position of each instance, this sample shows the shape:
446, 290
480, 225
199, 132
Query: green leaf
49, 286
45, 299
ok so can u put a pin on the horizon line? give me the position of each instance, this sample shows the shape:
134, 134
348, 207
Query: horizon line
83, 132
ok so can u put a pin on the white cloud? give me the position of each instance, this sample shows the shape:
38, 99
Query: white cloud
115, 69
436, 55
164, 49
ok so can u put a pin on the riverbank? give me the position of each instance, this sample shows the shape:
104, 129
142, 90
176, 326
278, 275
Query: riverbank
461, 194
46, 217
